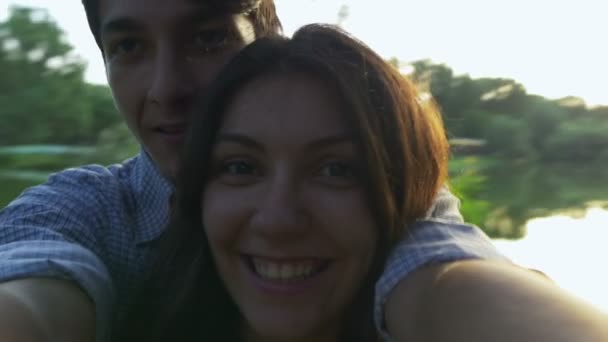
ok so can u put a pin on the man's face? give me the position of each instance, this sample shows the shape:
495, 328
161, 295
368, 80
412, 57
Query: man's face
159, 56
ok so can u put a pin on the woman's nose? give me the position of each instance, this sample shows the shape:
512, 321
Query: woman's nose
280, 210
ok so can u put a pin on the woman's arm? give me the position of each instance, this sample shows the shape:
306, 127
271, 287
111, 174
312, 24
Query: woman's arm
45, 310
488, 301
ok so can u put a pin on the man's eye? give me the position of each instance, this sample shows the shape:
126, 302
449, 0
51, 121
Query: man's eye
211, 40
125, 47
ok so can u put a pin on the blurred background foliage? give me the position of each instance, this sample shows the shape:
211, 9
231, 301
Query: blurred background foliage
515, 155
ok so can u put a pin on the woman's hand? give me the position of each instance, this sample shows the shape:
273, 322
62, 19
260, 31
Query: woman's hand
479, 300
45, 310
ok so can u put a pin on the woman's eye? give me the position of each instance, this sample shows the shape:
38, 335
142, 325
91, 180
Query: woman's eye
338, 169
238, 167
237, 172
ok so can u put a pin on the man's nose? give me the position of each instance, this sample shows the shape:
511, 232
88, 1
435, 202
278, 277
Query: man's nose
281, 211
173, 81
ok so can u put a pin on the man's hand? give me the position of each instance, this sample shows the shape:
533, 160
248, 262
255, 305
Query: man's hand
45, 310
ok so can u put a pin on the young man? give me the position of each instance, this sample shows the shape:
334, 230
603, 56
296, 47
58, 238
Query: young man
73, 250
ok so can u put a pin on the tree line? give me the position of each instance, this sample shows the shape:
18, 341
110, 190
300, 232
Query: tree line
44, 99
512, 123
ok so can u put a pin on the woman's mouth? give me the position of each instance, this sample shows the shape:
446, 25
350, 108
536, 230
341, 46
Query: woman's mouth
286, 270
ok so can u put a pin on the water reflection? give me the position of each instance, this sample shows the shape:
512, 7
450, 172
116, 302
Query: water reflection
573, 251
502, 196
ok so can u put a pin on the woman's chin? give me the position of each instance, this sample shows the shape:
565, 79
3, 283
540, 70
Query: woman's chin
284, 329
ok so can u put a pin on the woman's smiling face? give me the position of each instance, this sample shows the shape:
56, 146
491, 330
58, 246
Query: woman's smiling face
285, 210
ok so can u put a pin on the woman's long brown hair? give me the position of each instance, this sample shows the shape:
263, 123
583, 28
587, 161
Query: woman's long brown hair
402, 143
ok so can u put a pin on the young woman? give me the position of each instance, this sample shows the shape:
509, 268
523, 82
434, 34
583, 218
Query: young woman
309, 161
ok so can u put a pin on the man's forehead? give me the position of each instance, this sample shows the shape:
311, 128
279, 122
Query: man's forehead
168, 7
117, 14
231, 6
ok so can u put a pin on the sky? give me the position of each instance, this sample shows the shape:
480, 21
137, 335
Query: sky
555, 48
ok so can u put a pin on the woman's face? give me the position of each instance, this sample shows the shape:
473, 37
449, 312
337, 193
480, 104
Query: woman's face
286, 214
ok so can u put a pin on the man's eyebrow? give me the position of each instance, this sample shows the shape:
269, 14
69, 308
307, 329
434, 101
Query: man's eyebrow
120, 24
204, 16
198, 16
240, 139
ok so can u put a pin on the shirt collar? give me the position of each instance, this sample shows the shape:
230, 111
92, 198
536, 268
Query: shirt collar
152, 193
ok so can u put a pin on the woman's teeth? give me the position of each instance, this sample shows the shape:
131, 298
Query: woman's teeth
286, 271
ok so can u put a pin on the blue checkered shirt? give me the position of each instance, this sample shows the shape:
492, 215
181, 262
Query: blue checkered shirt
97, 226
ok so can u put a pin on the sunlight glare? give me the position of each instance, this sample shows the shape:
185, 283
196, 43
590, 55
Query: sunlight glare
572, 251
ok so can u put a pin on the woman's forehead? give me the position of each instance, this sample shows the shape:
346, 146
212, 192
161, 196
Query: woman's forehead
297, 105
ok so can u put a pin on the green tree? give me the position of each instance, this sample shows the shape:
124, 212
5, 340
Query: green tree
115, 144
582, 140
42, 88
103, 112
343, 15
543, 118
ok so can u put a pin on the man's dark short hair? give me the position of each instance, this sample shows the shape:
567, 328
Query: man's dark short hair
262, 13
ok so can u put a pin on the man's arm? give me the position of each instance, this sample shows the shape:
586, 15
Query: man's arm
41, 310
50, 252
488, 301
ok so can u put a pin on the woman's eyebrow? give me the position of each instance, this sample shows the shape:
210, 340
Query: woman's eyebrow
312, 145
240, 139
329, 140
